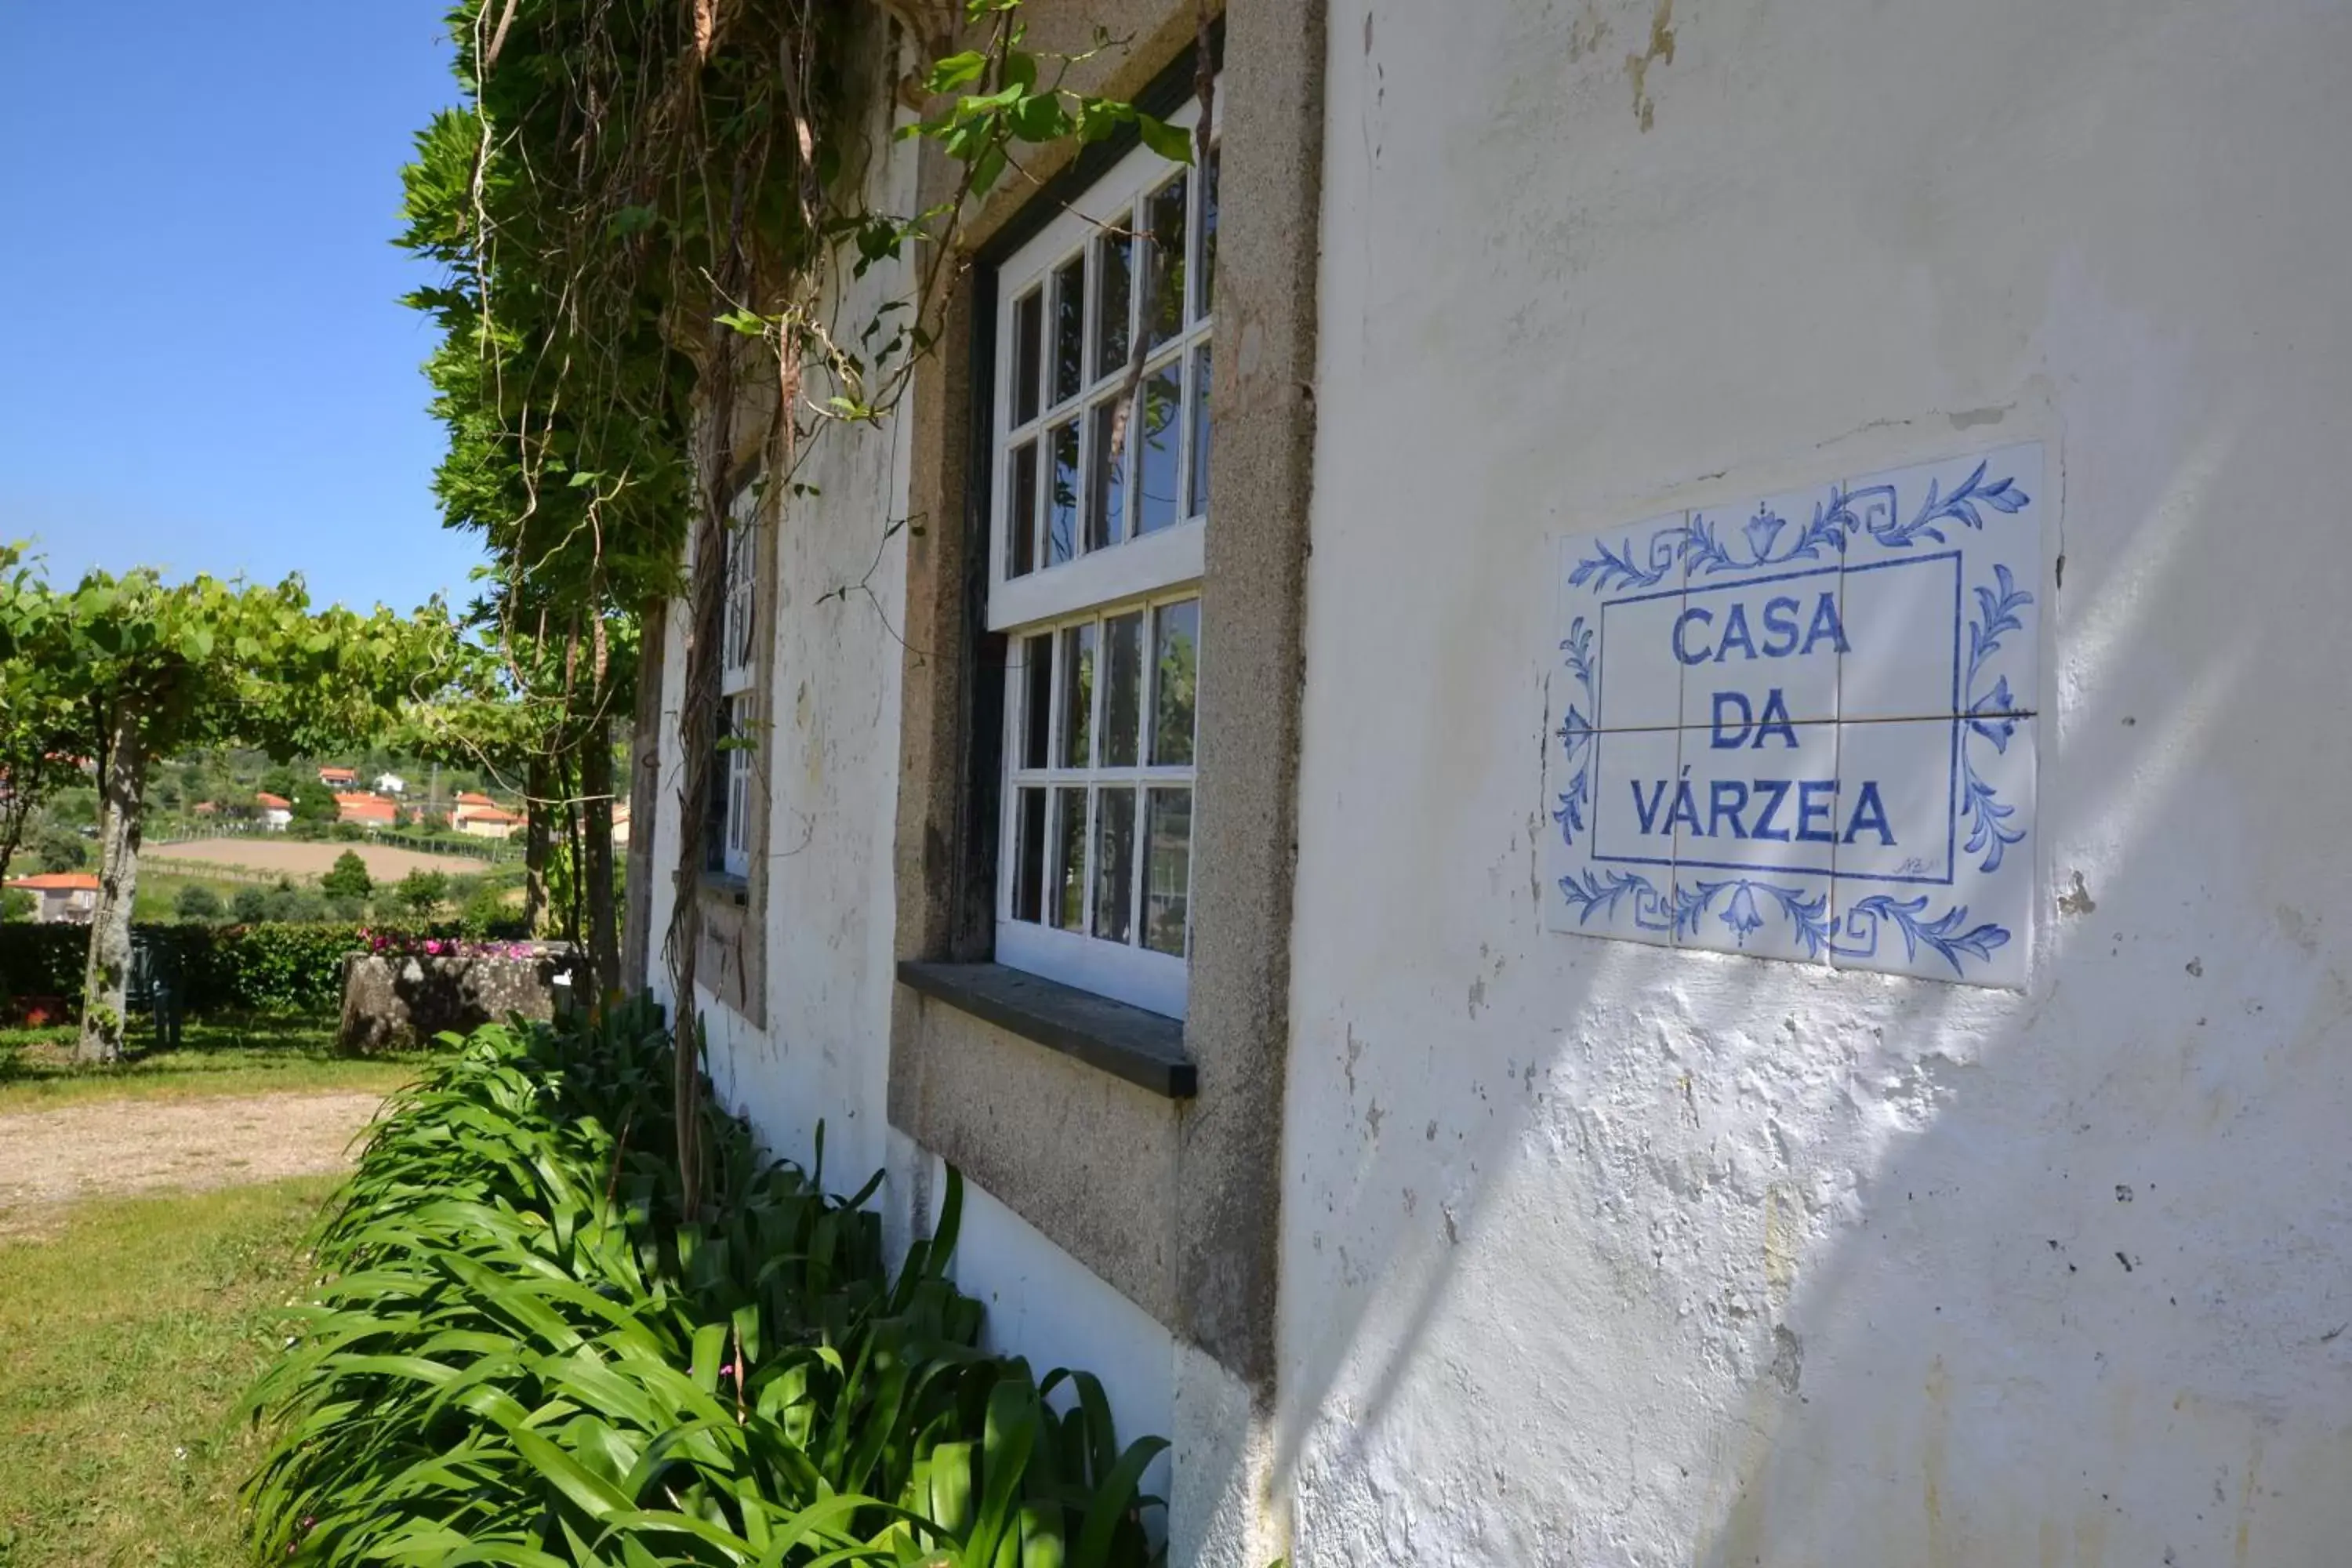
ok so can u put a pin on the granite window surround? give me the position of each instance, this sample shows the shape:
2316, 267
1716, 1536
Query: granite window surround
990, 1068
731, 961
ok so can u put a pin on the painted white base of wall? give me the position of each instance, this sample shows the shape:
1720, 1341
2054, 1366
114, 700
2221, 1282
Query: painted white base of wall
1044, 1305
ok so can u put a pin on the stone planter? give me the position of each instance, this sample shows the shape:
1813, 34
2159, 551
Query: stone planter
395, 1002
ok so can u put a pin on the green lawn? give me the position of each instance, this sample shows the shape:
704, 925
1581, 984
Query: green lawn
36, 1068
125, 1339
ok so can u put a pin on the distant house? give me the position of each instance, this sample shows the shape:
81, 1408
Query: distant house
621, 823
277, 810
61, 896
204, 808
479, 816
339, 778
367, 810
391, 783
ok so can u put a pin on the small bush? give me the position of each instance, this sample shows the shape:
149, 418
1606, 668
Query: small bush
347, 877
423, 890
287, 904
197, 902
525, 1357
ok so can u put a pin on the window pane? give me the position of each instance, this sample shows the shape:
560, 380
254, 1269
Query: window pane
1163, 305
1111, 334
1206, 298
1062, 506
1078, 695
738, 809
1069, 326
1029, 857
1166, 869
1107, 487
1201, 381
1028, 330
1037, 708
1114, 863
1156, 458
1176, 638
1122, 690
719, 791
740, 617
1066, 871
1019, 521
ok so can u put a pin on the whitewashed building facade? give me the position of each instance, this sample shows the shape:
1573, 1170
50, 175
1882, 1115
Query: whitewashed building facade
1614, 883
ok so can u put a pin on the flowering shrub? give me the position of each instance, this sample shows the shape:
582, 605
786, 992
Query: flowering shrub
394, 942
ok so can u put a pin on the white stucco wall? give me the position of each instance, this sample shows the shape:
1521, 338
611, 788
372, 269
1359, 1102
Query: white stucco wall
1604, 1253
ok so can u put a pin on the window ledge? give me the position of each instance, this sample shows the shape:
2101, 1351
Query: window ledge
726, 888
1145, 1048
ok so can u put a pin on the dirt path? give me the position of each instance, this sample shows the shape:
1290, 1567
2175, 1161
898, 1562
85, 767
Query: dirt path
107, 1148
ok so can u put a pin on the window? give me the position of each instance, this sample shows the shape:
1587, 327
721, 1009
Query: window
1099, 469
728, 845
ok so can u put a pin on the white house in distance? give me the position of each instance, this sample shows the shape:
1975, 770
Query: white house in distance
391, 783
1627, 878
60, 896
277, 810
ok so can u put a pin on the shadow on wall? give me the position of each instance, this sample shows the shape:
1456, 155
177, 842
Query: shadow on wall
1756, 1265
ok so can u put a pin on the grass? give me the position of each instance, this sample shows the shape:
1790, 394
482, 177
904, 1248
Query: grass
124, 1340
215, 1056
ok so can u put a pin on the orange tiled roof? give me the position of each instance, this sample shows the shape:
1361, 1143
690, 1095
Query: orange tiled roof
59, 882
365, 808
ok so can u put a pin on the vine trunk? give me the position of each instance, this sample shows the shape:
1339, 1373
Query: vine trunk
122, 785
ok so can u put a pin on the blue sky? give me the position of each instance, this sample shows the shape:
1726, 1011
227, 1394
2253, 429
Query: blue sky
204, 363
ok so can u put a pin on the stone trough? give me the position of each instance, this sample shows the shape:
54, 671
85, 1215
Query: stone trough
401, 1001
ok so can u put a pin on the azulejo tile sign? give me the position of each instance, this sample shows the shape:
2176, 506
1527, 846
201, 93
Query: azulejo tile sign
1805, 727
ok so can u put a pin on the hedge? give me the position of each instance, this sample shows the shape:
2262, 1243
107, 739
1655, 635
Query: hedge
263, 968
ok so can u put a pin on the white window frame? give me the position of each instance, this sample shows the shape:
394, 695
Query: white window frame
738, 669
1136, 565
1132, 573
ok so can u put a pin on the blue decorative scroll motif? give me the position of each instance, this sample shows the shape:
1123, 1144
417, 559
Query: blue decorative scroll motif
1743, 912
1701, 547
1647, 561
1601, 893
1576, 733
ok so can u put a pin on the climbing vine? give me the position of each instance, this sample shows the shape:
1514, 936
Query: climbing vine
640, 212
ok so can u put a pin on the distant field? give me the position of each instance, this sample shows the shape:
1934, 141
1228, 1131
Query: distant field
291, 857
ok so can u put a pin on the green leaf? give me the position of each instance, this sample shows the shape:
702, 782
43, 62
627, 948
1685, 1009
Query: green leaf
1168, 140
953, 71
599, 1497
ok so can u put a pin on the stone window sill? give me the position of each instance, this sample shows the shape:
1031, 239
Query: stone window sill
726, 889
1144, 1048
